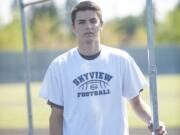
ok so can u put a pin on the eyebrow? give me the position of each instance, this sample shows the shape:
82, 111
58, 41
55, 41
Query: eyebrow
92, 19
82, 20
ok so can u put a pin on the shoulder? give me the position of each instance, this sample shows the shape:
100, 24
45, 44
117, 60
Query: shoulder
63, 58
116, 52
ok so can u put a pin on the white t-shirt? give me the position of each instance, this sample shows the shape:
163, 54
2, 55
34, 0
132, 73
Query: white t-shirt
93, 92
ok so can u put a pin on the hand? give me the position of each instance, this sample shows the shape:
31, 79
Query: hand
161, 130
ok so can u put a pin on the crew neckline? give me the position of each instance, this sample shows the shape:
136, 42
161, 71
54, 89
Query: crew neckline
90, 57
85, 60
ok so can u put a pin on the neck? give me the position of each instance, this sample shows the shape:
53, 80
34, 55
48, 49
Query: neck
89, 48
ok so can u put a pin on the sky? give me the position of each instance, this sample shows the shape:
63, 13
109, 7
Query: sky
110, 8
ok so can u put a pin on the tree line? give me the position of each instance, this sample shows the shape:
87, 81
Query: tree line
49, 28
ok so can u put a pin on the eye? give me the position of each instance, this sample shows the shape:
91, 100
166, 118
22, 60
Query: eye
81, 22
93, 21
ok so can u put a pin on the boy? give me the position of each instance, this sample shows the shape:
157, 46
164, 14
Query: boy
87, 86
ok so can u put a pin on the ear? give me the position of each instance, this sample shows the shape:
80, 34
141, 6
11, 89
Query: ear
73, 29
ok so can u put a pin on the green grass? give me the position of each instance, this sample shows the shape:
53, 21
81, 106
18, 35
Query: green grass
13, 110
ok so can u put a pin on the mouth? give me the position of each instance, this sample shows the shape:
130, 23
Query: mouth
89, 33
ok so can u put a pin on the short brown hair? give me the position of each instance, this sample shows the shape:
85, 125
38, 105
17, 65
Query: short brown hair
83, 6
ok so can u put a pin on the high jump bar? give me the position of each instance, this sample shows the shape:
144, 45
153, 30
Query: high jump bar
34, 3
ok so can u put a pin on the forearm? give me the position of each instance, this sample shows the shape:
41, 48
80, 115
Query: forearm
55, 127
56, 124
142, 109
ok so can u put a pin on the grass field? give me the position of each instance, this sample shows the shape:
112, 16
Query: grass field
13, 111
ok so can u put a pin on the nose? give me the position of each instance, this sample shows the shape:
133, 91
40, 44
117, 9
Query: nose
88, 25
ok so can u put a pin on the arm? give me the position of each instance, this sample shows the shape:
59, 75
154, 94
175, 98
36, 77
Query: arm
56, 121
143, 111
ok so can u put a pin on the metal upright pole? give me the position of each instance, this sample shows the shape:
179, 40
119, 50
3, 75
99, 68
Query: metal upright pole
27, 67
152, 67
27, 62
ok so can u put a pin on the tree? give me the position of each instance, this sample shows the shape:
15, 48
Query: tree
48, 29
168, 31
124, 31
68, 5
10, 34
129, 27
110, 35
44, 25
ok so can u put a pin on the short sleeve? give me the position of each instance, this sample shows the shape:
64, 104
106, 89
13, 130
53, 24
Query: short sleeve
51, 88
133, 79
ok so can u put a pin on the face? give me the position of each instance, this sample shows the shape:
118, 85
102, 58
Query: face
87, 26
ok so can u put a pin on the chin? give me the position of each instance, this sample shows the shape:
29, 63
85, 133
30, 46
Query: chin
89, 41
